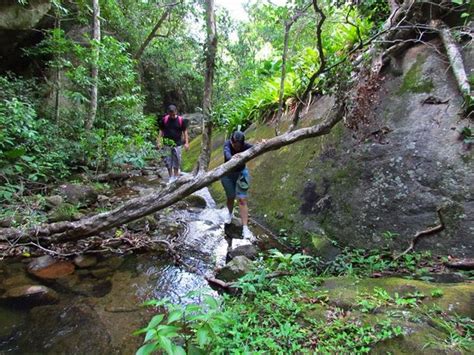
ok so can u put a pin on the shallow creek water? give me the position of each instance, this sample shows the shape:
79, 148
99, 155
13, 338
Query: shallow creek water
99, 307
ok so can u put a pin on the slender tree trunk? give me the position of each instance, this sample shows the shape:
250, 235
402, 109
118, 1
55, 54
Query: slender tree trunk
205, 157
152, 34
57, 85
95, 65
288, 25
322, 64
283, 70
142, 206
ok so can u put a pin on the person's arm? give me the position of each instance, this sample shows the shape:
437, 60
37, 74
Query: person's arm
227, 151
186, 139
159, 139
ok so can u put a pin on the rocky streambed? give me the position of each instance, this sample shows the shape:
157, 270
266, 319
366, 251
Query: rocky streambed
91, 304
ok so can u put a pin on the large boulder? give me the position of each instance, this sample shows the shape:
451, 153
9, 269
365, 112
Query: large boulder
381, 185
15, 16
78, 194
17, 24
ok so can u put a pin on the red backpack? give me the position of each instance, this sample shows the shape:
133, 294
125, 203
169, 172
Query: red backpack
167, 117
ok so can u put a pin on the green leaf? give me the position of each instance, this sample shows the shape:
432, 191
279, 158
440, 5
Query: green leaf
211, 301
178, 350
147, 349
14, 153
27, 158
202, 336
150, 334
165, 344
174, 316
167, 330
155, 320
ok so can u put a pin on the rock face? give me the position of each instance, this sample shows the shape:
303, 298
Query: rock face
381, 185
16, 24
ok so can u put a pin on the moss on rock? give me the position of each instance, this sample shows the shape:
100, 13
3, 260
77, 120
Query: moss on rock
414, 81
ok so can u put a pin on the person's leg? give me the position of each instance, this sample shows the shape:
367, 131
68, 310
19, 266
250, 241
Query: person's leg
168, 161
241, 193
244, 211
176, 172
230, 204
228, 183
177, 162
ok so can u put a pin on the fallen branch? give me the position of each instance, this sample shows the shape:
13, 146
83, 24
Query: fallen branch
455, 59
424, 233
186, 185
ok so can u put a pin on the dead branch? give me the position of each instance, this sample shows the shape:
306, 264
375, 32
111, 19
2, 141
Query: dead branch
424, 233
455, 57
145, 205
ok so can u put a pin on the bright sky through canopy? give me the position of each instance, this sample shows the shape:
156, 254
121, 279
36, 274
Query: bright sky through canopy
236, 7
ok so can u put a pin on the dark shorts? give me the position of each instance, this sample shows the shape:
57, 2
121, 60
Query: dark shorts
173, 157
236, 184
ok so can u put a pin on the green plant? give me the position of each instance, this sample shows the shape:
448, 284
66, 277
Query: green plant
183, 329
467, 136
282, 261
459, 331
390, 235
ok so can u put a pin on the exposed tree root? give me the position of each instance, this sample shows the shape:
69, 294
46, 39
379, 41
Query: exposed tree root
424, 233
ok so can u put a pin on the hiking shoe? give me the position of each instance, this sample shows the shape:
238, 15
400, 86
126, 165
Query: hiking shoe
171, 180
227, 217
247, 234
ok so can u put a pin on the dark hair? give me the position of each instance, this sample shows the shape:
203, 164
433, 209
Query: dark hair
238, 137
172, 108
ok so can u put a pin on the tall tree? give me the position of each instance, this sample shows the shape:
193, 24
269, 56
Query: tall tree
155, 29
288, 24
205, 156
95, 65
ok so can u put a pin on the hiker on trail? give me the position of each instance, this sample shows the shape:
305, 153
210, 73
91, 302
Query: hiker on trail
236, 182
173, 132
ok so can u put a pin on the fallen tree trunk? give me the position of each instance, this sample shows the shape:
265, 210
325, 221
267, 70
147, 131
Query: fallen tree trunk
455, 58
142, 206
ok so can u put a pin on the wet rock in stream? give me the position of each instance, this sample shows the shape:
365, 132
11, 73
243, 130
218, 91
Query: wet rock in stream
76, 329
29, 296
46, 267
84, 261
249, 250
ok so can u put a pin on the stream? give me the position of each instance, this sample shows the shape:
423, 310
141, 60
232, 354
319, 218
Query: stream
99, 306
